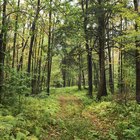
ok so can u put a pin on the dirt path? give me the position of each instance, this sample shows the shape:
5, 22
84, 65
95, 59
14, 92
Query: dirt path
101, 125
70, 106
73, 109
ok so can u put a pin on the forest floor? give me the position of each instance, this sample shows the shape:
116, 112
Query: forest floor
72, 111
68, 114
80, 122
85, 119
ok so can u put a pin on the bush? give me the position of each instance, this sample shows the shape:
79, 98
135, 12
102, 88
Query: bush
15, 85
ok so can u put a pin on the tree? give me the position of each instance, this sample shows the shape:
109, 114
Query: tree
49, 49
101, 35
33, 28
15, 35
137, 58
2, 46
88, 48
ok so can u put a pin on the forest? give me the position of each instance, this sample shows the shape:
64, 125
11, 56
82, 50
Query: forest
69, 69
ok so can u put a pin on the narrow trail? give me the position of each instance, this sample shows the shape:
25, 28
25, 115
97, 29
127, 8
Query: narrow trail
73, 109
70, 106
76, 103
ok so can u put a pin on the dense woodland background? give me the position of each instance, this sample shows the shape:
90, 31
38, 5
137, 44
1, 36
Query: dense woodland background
69, 49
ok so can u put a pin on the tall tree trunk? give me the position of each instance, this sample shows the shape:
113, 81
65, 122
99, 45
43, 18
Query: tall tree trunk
43, 77
111, 82
20, 64
34, 69
101, 34
113, 61
33, 28
80, 74
15, 37
64, 71
96, 76
137, 58
83, 78
17, 58
2, 47
120, 72
40, 64
88, 48
33, 81
120, 69
49, 50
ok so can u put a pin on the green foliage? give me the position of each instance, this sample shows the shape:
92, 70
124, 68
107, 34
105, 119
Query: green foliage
15, 85
32, 122
128, 126
77, 128
69, 114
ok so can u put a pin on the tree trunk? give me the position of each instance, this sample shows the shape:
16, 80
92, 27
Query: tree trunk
101, 34
137, 59
39, 65
120, 73
88, 48
111, 82
43, 77
15, 37
64, 71
22, 53
79, 75
120, 69
2, 47
84, 81
49, 50
33, 28
96, 76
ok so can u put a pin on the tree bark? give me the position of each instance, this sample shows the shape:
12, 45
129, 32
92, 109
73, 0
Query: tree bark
64, 71
49, 50
137, 58
120, 69
96, 76
2, 47
20, 64
111, 82
83, 78
101, 34
39, 65
33, 28
15, 37
88, 48
80, 74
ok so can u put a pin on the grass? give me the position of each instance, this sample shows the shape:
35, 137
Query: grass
68, 114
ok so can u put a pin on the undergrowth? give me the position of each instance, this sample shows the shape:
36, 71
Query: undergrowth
68, 114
